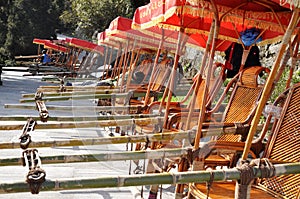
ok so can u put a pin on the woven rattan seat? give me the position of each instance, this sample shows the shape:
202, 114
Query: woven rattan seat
243, 99
283, 147
177, 107
240, 109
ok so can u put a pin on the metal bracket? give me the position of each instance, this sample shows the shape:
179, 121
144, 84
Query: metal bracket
36, 175
25, 138
40, 105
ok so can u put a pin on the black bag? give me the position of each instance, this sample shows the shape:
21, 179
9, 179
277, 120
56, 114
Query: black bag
252, 59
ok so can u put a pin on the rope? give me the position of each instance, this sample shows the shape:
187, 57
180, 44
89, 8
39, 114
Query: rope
35, 179
242, 130
248, 175
266, 168
209, 183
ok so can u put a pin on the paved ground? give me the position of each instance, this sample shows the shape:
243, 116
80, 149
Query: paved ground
14, 85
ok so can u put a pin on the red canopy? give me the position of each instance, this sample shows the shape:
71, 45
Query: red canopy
50, 45
86, 45
237, 15
146, 19
40, 41
55, 47
121, 30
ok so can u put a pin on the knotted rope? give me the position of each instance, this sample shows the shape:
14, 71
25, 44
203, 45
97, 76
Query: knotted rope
248, 174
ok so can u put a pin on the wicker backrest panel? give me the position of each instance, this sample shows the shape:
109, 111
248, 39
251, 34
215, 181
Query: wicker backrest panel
284, 146
230, 138
249, 76
242, 102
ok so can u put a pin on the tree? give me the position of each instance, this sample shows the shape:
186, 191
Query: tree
90, 15
27, 19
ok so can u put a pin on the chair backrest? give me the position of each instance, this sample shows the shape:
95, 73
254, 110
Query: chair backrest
145, 67
161, 74
216, 81
243, 100
284, 147
245, 95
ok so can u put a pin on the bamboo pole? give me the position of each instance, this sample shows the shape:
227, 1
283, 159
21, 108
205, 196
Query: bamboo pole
267, 88
87, 124
132, 67
209, 73
166, 136
78, 87
80, 97
72, 93
295, 46
199, 79
117, 60
183, 85
77, 108
110, 58
105, 62
119, 68
146, 179
78, 118
171, 83
125, 64
99, 157
136, 93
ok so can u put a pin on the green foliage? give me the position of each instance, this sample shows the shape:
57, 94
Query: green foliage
89, 16
23, 20
296, 77
281, 84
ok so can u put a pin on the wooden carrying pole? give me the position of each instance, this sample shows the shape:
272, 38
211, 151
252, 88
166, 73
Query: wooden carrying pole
87, 96
79, 118
77, 108
166, 136
145, 179
210, 64
99, 157
88, 92
87, 124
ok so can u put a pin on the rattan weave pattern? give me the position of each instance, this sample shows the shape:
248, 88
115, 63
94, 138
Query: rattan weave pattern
285, 147
249, 77
243, 102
